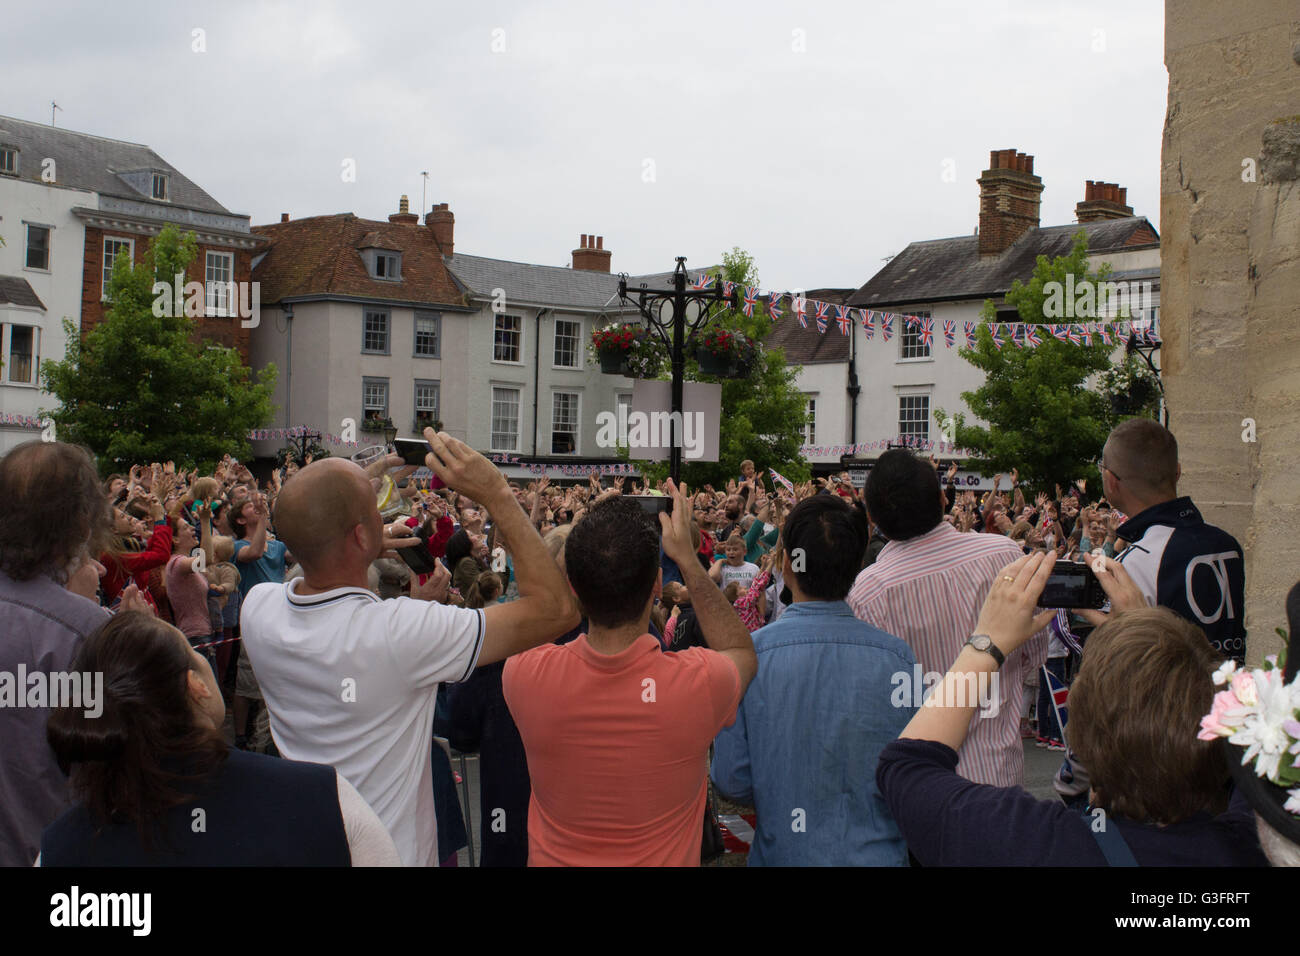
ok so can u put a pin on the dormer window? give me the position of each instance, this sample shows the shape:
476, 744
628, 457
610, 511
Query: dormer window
387, 266
9, 160
159, 186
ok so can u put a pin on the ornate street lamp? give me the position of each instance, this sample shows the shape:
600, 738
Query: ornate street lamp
676, 315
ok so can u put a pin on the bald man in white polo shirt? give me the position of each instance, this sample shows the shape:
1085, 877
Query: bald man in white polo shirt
350, 680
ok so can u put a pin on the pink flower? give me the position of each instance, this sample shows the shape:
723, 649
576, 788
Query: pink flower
1212, 725
1243, 687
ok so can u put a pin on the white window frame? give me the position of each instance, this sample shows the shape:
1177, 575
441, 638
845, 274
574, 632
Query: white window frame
436, 319
49, 245
381, 254
577, 421
492, 417
17, 154
436, 384
213, 288
810, 428
154, 179
388, 331
577, 344
929, 410
6, 343
496, 318
369, 381
916, 339
107, 266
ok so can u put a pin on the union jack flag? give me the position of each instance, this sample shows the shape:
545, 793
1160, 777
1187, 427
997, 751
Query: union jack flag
868, 323
751, 299
1072, 333
1060, 332
786, 482
703, 282
801, 310
774, 306
886, 325
996, 332
842, 318
1105, 334
1087, 334
927, 330
727, 286
970, 334
1015, 334
1032, 339
823, 308
949, 331
1121, 330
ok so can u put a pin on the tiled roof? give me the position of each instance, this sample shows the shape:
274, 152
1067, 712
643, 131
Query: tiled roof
16, 291
546, 285
948, 269
808, 346
91, 162
321, 255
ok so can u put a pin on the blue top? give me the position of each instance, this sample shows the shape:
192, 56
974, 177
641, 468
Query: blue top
807, 735
268, 568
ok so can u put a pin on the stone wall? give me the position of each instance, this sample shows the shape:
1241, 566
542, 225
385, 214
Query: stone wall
1230, 281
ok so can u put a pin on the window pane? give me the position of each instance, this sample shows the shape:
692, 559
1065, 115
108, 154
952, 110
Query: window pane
159, 186
506, 345
426, 335
112, 249
426, 399
505, 418
20, 353
914, 415
564, 423
566, 343
8, 161
375, 398
810, 428
375, 336
38, 247
912, 345
218, 278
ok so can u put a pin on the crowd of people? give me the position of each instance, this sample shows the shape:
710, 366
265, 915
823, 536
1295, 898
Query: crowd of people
609, 649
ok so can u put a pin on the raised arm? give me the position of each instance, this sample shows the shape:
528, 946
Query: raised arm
546, 607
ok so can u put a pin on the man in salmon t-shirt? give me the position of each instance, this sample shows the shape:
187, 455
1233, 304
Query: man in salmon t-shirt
616, 730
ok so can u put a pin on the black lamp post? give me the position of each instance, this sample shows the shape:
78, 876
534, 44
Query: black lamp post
652, 303
1147, 349
300, 443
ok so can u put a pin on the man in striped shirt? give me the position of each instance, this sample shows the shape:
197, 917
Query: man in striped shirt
927, 586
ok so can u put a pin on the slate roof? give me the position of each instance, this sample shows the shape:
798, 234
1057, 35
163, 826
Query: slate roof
84, 161
808, 346
16, 291
547, 285
939, 270
321, 255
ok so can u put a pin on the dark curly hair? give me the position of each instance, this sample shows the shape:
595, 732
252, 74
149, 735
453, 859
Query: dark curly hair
612, 559
52, 508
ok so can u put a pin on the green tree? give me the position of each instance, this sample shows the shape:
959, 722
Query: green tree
762, 413
140, 388
1041, 416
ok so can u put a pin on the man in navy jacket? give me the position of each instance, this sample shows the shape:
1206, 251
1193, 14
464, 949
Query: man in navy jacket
1179, 561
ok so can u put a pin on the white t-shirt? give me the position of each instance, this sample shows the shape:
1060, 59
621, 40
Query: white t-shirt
745, 572
351, 681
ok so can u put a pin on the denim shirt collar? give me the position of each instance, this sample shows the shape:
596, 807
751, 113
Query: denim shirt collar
818, 608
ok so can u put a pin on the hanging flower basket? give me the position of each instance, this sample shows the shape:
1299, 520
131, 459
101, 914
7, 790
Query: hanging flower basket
613, 363
626, 350
725, 353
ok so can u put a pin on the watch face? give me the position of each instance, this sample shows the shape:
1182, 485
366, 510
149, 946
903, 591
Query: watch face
980, 642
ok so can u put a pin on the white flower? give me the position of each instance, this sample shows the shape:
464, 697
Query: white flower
1224, 673
1292, 804
1262, 732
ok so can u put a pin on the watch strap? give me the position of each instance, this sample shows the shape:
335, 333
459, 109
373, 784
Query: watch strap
991, 648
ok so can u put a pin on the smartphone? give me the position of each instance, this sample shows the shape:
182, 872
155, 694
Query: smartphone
1072, 584
653, 504
417, 557
413, 451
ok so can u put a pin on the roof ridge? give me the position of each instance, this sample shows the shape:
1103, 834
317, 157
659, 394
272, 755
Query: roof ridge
62, 129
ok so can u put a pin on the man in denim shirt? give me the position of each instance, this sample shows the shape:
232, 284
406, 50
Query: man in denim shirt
811, 726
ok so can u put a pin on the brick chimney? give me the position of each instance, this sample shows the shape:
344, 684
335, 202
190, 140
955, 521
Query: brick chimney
284, 217
591, 254
1010, 196
404, 214
1103, 201
443, 225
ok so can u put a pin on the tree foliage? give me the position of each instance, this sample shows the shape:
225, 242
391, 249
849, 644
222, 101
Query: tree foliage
763, 414
1041, 415
140, 388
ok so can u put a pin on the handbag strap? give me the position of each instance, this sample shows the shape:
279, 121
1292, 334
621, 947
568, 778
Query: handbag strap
1111, 842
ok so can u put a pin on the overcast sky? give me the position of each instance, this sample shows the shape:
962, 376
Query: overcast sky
815, 135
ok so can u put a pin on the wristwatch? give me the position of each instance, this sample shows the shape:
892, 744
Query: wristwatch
982, 642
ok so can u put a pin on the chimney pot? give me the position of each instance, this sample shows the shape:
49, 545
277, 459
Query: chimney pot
600, 242
404, 205
284, 217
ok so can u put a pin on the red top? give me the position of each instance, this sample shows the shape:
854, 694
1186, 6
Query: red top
136, 565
